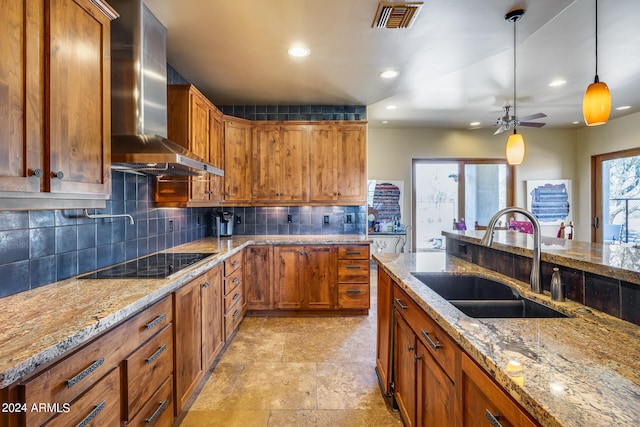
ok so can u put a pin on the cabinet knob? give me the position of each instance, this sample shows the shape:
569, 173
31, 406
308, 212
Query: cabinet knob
58, 175
36, 172
410, 348
416, 357
206, 284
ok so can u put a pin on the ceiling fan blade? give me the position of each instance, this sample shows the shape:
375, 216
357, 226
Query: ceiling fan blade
500, 130
533, 117
532, 124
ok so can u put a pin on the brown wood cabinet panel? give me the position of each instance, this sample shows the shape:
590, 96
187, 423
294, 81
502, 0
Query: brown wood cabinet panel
436, 394
188, 338
216, 154
257, 277
233, 263
383, 338
288, 273
320, 277
353, 295
265, 162
158, 412
353, 252
100, 406
294, 163
322, 164
353, 271
405, 371
146, 369
482, 396
212, 315
351, 163
237, 160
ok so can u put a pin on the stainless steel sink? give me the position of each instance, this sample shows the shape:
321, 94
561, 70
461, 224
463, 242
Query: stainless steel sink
484, 298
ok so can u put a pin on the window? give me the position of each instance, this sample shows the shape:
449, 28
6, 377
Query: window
616, 197
450, 189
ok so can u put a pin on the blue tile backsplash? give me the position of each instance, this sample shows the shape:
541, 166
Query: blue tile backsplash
44, 246
296, 112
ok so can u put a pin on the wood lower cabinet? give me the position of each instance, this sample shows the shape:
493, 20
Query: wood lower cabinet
234, 301
55, 104
353, 276
383, 336
404, 370
195, 307
305, 277
258, 264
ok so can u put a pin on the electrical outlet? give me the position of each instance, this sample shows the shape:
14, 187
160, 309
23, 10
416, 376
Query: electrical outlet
349, 218
325, 220
171, 225
289, 219
198, 220
238, 219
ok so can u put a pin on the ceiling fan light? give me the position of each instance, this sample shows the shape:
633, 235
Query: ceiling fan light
515, 149
596, 104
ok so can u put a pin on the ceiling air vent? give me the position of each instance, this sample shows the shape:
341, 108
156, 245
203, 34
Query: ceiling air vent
396, 14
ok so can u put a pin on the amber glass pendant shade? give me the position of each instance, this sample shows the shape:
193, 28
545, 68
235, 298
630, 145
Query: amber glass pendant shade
515, 149
596, 104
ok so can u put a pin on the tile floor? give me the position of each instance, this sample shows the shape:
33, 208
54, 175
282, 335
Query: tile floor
296, 372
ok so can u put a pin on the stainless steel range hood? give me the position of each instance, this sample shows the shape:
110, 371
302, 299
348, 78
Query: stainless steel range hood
139, 98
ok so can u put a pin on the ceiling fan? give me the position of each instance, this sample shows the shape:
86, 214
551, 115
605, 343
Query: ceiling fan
508, 121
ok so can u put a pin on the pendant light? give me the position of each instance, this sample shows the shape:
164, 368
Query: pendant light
515, 144
596, 104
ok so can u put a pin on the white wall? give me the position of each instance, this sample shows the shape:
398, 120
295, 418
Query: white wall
551, 154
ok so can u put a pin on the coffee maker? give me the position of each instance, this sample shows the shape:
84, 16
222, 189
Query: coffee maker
224, 223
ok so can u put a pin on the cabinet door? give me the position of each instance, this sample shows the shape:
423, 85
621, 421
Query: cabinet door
212, 315
294, 163
199, 142
237, 151
265, 162
288, 269
216, 153
383, 343
405, 371
351, 146
320, 277
78, 89
322, 168
21, 101
188, 339
436, 402
257, 277
483, 399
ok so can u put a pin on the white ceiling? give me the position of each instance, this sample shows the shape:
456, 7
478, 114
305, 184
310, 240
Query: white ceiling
455, 62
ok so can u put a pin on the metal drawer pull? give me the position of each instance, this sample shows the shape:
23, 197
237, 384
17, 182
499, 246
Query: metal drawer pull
206, 284
434, 345
236, 313
155, 321
353, 252
157, 354
75, 380
152, 419
236, 279
92, 414
357, 267
402, 307
353, 291
236, 296
234, 263
493, 419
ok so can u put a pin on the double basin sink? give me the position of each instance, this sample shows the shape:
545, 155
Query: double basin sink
484, 298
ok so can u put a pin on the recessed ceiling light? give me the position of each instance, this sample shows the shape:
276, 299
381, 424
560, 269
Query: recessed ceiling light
575, 123
623, 107
389, 74
390, 107
557, 83
384, 122
474, 124
299, 51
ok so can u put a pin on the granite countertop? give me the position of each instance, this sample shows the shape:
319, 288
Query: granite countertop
43, 323
620, 262
578, 371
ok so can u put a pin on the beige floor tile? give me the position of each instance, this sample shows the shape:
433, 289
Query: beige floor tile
339, 418
226, 419
255, 345
348, 386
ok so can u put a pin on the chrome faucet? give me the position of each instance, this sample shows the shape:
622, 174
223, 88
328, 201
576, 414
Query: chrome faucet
487, 240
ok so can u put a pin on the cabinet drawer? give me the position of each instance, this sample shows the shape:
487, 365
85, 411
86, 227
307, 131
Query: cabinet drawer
231, 299
233, 318
100, 406
158, 411
353, 295
353, 252
232, 281
443, 349
146, 369
232, 263
353, 271
148, 323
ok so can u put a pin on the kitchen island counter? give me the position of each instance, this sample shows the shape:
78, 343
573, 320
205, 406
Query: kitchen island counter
42, 324
578, 371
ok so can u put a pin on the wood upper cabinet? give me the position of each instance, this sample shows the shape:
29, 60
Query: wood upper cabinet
196, 124
279, 162
337, 163
305, 277
258, 261
237, 160
55, 106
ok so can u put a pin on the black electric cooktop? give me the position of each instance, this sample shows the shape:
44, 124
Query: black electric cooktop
153, 266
